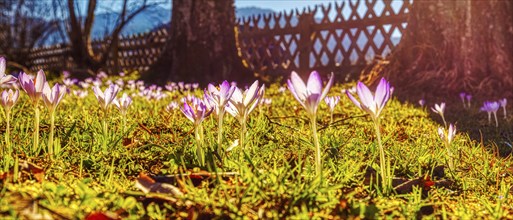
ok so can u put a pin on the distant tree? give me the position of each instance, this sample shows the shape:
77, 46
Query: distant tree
455, 46
23, 26
86, 57
202, 47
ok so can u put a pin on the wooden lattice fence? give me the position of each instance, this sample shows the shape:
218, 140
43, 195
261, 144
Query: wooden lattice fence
135, 52
341, 38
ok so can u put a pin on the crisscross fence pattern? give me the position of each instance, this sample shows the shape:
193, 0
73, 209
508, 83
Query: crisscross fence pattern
135, 52
341, 37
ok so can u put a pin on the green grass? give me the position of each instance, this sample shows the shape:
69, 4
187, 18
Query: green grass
276, 174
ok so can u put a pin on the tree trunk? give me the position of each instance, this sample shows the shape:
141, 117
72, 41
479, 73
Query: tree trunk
202, 44
455, 46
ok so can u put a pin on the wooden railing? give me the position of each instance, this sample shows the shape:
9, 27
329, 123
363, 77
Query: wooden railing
341, 37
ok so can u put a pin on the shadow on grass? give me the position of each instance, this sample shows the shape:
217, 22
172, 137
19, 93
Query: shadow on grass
474, 123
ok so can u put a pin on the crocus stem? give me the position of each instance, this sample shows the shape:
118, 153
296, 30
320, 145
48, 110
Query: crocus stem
199, 144
384, 176
505, 115
318, 165
331, 117
496, 121
52, 127
220, 131
124, 123
35, 145
449, 153
443, 119
105, 135
242, 132
8, 131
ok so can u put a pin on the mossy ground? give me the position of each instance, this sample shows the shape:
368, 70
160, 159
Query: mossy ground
275, 172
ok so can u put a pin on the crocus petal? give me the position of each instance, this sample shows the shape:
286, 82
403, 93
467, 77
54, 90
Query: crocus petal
382, 93
353, 99
365, 94
2, 66
441, 133
260, 95
299, 86
328, 86
290, 85
224, 88
98, 93
251, 93
236, 96
212, 89
39, 81
314, 84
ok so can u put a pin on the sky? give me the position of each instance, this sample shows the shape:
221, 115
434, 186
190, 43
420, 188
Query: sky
277, 5
280, 5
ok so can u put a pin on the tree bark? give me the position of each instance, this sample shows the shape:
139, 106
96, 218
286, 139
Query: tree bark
455, 46
202, 44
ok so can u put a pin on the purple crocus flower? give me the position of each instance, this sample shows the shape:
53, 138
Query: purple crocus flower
33, 88
9, 98
463, 95
332, 101
469, 97
311, 94
491, 107
5, 79
447, 139
243, 103
450, 133
440, 109
266, 101
220, 97
53, 96
80, 93
171, 107
422, 102
105, 98
123, 103
503, 102
372, 103
196, 110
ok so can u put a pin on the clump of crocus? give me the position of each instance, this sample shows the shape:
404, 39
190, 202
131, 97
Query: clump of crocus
503, 102
105, 99
243, 103
34, 89
122, 105
332, 101
219, 99
5, 79
309, 96
447, 139
440, 109
491, 107
196, 110
374, 104
52, 97
8, 99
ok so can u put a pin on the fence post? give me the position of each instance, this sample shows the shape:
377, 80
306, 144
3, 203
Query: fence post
305, 42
